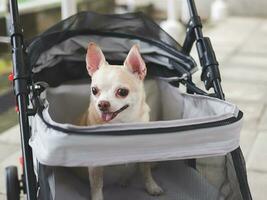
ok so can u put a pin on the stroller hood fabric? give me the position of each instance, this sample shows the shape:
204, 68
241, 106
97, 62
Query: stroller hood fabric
58, 54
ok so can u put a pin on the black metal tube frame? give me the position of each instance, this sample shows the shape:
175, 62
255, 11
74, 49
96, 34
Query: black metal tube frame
211, 78
210, 70
21, 90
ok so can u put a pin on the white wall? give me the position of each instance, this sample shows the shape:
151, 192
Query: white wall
248, 7
236, 7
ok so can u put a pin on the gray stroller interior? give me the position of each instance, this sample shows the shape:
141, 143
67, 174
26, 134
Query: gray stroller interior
193, 138
117, 151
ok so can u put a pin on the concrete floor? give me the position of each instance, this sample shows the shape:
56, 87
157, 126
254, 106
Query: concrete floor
241, 48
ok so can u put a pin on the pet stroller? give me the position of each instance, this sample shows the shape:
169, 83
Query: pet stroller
193, 136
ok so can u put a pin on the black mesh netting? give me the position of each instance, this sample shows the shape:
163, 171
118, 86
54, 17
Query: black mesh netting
209, 178
130, 26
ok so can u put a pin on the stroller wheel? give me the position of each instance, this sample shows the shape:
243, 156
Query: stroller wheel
12, 183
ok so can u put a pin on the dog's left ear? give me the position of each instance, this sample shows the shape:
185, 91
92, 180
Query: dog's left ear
135, 63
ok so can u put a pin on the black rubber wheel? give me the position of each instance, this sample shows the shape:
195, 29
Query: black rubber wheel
12, 183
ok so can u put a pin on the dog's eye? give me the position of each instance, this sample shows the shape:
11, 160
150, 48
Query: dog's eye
122, 92
95, 90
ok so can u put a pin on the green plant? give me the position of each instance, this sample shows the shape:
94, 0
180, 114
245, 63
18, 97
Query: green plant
8, 119
5, 66
23, 1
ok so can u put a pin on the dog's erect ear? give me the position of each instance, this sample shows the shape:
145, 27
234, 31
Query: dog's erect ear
135, 63
94, 58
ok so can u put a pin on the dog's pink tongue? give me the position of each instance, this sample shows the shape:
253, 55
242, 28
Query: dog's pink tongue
107, 117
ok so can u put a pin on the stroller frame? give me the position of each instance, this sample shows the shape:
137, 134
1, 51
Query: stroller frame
23, 86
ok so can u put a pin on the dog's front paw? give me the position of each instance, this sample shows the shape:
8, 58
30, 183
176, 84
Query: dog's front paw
154, 189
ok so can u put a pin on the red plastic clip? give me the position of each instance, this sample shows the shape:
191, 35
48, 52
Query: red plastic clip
21, 161
17, 109
11, 77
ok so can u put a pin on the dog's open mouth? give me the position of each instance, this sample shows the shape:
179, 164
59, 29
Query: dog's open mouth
108, 116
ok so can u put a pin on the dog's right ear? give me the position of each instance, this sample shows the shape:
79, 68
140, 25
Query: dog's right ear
94, 58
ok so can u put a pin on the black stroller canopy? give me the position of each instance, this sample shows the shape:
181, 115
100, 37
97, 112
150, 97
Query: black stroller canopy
65, 44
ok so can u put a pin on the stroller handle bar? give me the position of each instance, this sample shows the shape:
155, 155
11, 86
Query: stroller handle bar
21, 90
210, 68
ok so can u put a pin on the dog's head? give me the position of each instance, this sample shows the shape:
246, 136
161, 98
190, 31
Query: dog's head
117, 92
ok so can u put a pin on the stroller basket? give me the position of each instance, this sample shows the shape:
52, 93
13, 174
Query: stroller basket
182, 126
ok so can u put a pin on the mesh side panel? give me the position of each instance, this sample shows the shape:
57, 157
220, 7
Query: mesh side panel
220, 172
213, 178
130, 24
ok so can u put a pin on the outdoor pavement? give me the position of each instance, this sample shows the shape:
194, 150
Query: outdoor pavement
241, 48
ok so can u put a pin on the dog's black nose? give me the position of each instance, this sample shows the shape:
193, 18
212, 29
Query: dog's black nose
103, 105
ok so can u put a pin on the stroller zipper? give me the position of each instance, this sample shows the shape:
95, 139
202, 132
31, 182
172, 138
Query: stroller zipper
164, 130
